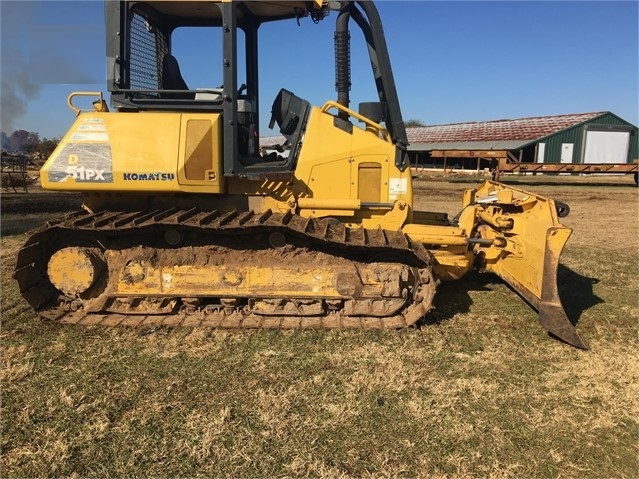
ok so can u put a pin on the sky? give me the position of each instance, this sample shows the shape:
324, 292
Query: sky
453, 61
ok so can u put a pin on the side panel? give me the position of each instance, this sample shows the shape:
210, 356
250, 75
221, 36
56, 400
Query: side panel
345, 165
140, 152
201, 153
83, 158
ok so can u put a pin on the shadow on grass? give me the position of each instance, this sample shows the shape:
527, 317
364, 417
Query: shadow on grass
24, 212
575, 291
452, 297
11, 225
548, 181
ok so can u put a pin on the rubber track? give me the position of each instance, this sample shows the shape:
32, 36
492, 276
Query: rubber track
327, 235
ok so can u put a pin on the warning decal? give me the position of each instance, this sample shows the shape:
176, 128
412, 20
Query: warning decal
397, 186
84, 162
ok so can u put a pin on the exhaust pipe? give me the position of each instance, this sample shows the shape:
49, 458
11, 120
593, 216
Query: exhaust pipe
343, 57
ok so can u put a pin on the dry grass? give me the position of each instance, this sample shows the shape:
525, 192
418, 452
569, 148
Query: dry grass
480, 392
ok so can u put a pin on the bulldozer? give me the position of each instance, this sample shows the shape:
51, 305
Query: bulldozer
186, 221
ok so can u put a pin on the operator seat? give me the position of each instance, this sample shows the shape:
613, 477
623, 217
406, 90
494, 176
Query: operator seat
290, 112
172, 78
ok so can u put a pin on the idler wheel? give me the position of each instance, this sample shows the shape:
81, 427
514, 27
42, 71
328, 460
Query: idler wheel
74, 270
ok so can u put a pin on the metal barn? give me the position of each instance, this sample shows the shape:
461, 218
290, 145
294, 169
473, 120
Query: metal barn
585, 138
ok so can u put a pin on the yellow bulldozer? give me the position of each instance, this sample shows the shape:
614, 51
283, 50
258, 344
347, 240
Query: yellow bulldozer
185, 221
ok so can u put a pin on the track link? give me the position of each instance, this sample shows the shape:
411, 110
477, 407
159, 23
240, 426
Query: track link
116, 231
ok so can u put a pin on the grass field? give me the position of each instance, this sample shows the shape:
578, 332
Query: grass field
478, 390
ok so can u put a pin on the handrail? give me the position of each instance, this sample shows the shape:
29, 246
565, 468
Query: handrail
98, 105
376, 126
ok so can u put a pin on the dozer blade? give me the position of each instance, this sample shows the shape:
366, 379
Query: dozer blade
527, 241
552, 316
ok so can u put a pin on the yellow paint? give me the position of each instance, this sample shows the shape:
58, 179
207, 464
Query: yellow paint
143, 278
518, 253
200, 158
72, 270
345, 173
436, 235
331, 160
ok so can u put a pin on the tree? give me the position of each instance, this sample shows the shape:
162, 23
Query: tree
32, 143
17, 139
23, 141
47, 145
413, 122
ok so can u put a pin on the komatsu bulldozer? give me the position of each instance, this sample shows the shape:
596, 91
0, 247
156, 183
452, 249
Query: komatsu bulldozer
185, 221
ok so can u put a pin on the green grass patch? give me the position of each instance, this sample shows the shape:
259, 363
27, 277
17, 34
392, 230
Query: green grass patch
478, 390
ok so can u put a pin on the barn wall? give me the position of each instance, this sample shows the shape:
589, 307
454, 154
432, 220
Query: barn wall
576, 136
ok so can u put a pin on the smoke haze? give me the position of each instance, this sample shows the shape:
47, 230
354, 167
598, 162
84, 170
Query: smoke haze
33, 54
16, 86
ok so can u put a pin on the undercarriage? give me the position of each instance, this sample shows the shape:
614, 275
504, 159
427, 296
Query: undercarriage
224, 269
